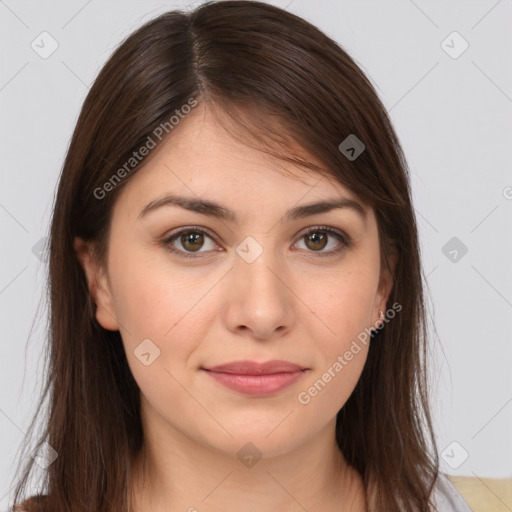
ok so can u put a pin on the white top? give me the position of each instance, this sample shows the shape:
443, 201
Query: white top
447, 498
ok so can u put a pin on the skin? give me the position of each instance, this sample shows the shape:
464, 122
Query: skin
290, 303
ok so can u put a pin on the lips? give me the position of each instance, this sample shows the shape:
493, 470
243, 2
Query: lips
255, 368
256, 379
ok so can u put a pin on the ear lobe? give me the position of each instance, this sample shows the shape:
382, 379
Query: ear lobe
98, 285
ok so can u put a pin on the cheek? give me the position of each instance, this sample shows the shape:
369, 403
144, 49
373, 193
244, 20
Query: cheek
141, 300
150, 299
344, 304
327, 391
341, 344
342, 310
172, 308
150, 305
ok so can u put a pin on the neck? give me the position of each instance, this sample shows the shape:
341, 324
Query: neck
176, 473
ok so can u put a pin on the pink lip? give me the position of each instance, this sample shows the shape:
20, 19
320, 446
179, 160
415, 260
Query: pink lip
256, 379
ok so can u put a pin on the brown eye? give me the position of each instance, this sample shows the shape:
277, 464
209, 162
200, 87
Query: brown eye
316, 241
186, 242
317, 238
192, 241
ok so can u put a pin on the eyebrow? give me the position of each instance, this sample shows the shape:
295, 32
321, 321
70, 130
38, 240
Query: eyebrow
213, 209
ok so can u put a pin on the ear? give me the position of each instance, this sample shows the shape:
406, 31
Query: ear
386, 282
98, 285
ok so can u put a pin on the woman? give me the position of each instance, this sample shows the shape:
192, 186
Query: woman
237, 317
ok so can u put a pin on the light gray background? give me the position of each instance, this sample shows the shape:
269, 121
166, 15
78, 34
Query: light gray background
453, 117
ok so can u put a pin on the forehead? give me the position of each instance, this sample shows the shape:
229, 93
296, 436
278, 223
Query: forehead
202, 158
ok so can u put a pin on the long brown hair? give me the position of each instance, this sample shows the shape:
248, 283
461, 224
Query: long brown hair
240, 56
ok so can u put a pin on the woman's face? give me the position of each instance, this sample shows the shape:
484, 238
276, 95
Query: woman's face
253, 287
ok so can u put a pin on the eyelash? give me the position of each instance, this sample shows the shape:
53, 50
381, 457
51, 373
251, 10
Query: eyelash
345, 240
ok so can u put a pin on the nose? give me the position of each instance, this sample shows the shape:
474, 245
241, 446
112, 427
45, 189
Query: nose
260, 301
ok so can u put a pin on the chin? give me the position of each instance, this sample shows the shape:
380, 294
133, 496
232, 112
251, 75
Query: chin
253, 441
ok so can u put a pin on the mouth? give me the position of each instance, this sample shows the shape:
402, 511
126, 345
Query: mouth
256, 379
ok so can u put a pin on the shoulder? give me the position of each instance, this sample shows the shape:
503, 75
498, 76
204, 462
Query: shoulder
33, 504
447, 498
